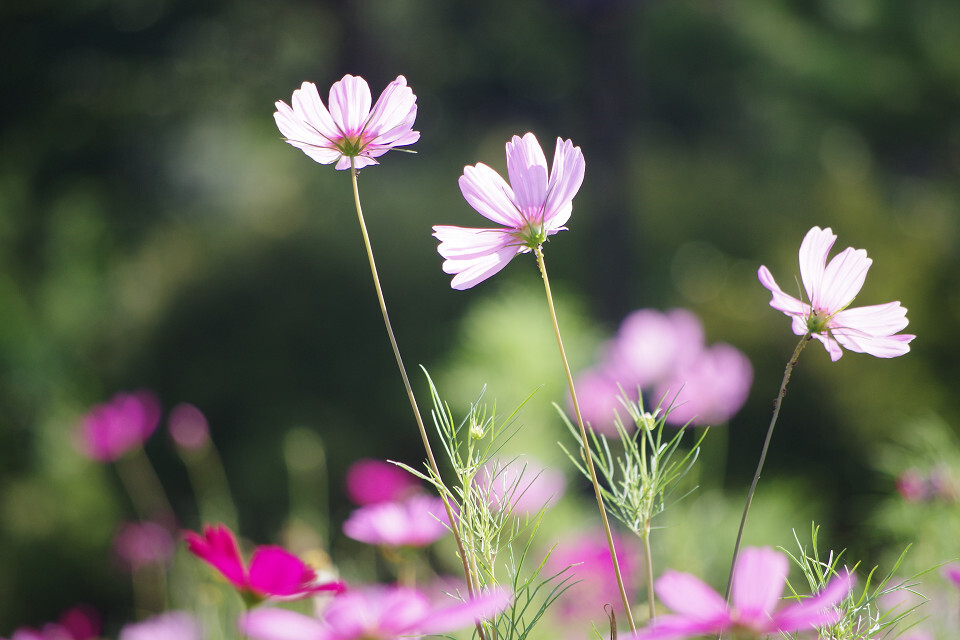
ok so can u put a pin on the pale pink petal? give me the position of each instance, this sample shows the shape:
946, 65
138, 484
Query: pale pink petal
483, 607
527, 169
691, 597
463, 243
172, 625
312, 115
680, 628
781, 301
842, 280
472, 272
218, 547
878, 346
813, 259
280, 624
393, 114
490, 195
376, 612
758, 582
350, 104
566, 176
875, 320
830, 344
817, 611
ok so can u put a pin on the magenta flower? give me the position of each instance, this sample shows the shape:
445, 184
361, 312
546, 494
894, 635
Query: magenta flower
952, 573
758, 583
535, 205
273, 573
371, 481
830, 289
350, 129
376, 613
416, 521
78, 623
110, 430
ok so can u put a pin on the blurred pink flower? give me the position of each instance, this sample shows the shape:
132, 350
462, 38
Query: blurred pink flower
350, 129
650, 345
81, 622
912, 486
139, 544
273, 573
593, 583
188, 427
830, 289
664, 354
374, 613
415, 521
371, 481
709, 389
535, 205
110, 430
172, 625
599, 396
758, 583
952, 573
523, 484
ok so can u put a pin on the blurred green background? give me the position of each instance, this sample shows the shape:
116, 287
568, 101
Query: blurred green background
155, 231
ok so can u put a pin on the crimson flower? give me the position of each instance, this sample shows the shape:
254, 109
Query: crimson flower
830, 289
536, 204
273, 573
374, 613
350, 128
758, 583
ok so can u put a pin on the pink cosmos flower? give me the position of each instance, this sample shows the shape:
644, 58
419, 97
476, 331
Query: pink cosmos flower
536, 204
140, 544
709, 389
350, 129
172, 625
371, 481
273, 573
110, 430
375, 613
758, 583
830, 289
416, 521
594, 582
523, 484
599, 395
651, 345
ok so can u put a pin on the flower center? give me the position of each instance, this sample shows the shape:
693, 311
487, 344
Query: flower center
817, 321
531, 235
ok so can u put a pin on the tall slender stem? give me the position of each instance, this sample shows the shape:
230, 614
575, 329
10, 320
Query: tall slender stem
763, 454
585, 448
648, 561
406, 384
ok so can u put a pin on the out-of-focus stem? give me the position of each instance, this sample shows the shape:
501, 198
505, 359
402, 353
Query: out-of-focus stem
648, 562
145, 489
763, 455
585, 448
406, 384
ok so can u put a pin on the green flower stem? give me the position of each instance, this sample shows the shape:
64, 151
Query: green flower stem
648, 560
142, 484
585, 448
471, 587
763, 455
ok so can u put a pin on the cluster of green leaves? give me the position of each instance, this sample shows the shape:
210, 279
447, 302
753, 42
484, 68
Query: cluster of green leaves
496, 541
862, 616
